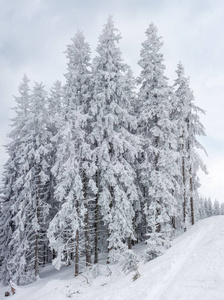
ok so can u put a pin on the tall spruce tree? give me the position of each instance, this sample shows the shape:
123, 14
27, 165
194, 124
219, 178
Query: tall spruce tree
55, 107
183, 108
115, 147
29, 207
158, 131
33, 206
189, 127
13, 261
72, 169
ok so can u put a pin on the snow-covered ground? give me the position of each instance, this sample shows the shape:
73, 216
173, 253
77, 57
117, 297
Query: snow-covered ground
193, 268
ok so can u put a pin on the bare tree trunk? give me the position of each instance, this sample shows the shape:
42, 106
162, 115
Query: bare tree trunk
108, 248
86, 222
37, 235
191, 199
109, 233
184, 187
71, 254
156, 161
36, 263
191, 187
44, 254
77, 253
76, 243
129, 243
96, 221
145, 226
53, 254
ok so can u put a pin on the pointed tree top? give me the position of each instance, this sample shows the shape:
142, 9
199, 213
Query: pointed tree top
79, 36
78, 43
153, 42
108, 32
180, 69
152, 31
152, 28
110, 20
24, 84
25, 78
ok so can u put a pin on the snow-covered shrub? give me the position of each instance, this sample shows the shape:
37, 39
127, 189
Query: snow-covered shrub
95, 270
130, 260
155, 247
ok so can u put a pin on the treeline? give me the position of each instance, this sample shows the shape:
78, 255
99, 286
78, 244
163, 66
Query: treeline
100, 163
207, 208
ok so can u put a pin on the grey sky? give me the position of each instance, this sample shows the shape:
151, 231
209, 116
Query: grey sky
34, 35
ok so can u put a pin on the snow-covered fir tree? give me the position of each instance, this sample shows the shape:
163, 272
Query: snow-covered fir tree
159, 166
29, 208
71, 168
208, 207
55, 106
201, 211
216, 208
33, 207
222, 209
96, 166
13, 261
115, 147
189, 127
183, 108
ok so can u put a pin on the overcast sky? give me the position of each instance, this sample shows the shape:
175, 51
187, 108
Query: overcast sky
34, 35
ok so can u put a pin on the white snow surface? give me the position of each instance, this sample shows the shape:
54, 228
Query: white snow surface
193, 268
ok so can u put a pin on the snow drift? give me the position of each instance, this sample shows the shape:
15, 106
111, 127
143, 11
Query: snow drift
193, 268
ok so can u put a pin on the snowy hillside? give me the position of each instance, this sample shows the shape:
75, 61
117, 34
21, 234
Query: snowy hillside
193, 268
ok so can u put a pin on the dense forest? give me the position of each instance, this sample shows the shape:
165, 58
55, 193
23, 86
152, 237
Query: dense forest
101, 162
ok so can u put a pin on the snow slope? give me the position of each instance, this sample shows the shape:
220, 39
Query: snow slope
193, 268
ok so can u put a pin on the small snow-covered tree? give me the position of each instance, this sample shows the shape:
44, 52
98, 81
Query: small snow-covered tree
222, 209
206, 207
201, 209
158, 165
209, 207
216, 208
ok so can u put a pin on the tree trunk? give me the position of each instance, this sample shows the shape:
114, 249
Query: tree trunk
77, 253
109, 233
184, 187
108, 248
86, 222
36, 263
191, 199
129, 243
156, 162
37, 234
96, 221
145, 225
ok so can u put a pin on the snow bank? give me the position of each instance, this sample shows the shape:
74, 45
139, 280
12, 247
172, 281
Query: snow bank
193, 268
